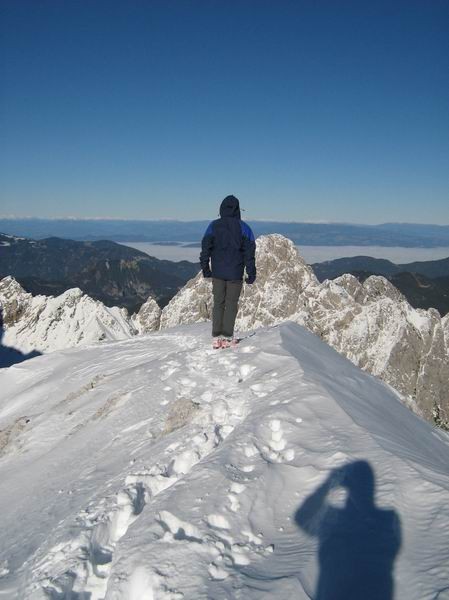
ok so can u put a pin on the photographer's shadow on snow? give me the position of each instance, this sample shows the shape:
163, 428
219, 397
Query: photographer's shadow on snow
358, 542
8, 355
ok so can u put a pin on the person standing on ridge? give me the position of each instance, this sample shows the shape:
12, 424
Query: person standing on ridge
229, 245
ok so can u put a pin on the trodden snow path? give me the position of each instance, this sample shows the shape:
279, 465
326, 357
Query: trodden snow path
158, 468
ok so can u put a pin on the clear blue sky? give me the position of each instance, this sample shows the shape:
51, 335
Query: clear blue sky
306, 110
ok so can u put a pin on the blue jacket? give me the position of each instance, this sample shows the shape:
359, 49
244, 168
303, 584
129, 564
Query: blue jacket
229, 244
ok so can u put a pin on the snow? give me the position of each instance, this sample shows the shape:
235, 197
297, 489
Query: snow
47, 323
15, 238
158, 468
419, 319
372, 323
445, 327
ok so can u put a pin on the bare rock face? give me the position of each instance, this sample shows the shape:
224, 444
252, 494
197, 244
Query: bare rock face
148, 318
433, 376
445, 325
192, 304
14, 301
376, 287
385, 336
376, 328
371, 324
47, 323
350, 284
280, 288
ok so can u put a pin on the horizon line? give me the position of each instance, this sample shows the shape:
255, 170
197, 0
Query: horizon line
172, 220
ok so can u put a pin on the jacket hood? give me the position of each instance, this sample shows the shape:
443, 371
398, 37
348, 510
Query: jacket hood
230, 207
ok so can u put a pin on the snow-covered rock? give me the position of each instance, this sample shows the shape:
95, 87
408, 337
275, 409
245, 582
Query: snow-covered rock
283, 281
192, 304
157, 468
378, 330
148, 318
371, 324
282, 277
445, 325
47, 323
14, 301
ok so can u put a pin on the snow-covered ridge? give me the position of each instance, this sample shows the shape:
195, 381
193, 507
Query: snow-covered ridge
371, 323
156, 468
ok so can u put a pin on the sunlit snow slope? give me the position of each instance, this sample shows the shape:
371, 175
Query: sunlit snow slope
157, 468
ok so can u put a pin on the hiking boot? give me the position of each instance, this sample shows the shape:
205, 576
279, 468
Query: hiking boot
229, 342
217, 343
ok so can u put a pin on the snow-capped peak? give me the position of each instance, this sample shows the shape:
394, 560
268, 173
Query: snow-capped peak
47, 323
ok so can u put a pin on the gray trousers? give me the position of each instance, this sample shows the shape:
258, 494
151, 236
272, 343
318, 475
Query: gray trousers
226, 304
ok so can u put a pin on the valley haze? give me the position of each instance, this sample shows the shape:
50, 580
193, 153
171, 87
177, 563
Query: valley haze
405, 235
177, 251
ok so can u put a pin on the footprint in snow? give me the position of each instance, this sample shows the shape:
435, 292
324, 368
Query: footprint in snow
235, 490
217, 521
217, 572
250, 451
275, 450
234, 503
245, 371
258, 390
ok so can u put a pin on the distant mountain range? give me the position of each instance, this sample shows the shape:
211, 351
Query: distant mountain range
307, 234
334, 268
425, 284
112, 273
122, 276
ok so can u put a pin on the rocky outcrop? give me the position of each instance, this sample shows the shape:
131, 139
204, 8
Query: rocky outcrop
280, 290
148, 318
445, 325
375, 327
192, 304
372, 323
47, 323
14, 301
282, 277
